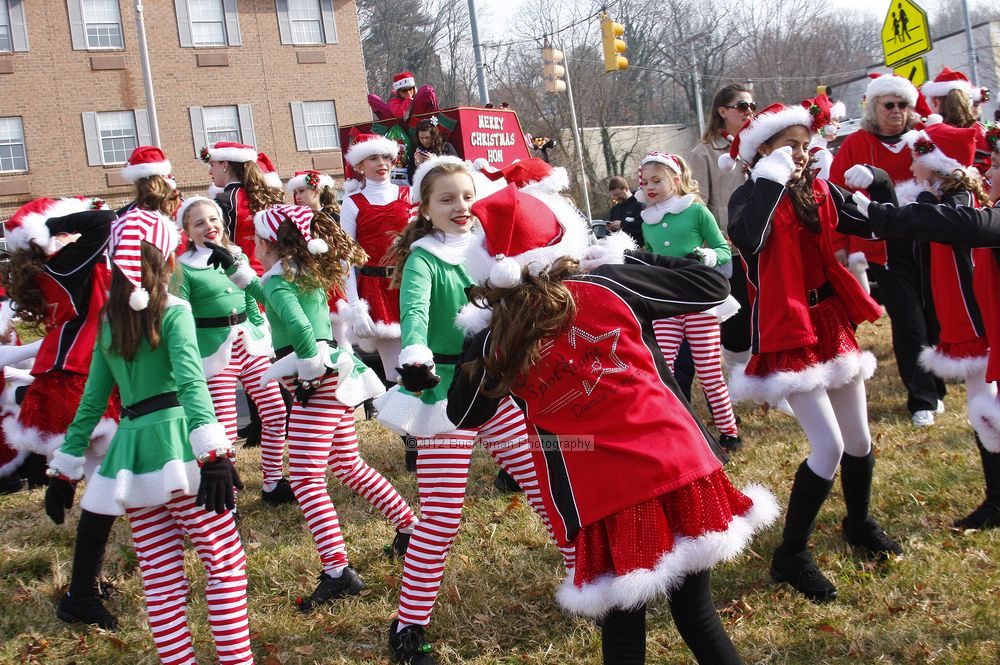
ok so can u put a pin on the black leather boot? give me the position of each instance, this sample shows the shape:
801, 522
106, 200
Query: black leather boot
987, 515
860, 529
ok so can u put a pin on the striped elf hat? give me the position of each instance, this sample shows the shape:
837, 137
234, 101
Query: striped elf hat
127, 235
266, 223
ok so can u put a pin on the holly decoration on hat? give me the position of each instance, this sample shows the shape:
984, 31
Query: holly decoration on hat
985, 94
993, 137
97, 203
205, 155
312, 180
923, 146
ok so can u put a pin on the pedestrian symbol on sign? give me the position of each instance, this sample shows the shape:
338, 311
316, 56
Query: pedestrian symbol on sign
905, 32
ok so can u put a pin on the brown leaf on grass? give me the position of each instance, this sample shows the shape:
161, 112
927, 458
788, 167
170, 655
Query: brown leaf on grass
515, 504
252, 546
391, 581
272, 660
481, 618
37, 647
827, 628
305, 650
117, 641
453, 595
271, 649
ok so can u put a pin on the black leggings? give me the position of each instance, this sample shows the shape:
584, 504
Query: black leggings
623, 633
92, 534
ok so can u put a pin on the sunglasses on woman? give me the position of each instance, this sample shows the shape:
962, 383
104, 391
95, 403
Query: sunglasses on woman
742, 106
889, 106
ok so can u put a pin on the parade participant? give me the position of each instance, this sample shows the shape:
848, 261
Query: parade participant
373, 217
406, 100
233, 339
954, 99
896, 265
60, 284
626, 211
245, 191
268, 170
571, 348
304, 257
428, 144
677, 223
804, 349
732, 106
432, 281
169, 467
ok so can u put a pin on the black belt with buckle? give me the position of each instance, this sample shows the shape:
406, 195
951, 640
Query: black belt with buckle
818, 295
151, 405
220, 321
447, 359
376, 271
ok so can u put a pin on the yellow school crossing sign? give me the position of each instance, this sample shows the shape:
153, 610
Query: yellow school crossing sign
915, 71
905, 32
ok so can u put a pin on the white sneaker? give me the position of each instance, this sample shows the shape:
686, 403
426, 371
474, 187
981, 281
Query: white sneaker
923, 418
940, 406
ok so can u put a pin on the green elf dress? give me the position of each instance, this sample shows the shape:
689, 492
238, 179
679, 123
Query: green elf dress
154, 454
431, 293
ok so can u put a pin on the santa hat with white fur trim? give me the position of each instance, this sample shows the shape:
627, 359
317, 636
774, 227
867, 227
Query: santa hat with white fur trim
311, 179
656, 157
266, 224
534, 172
269, 171
27, 224
362, 147
145, 162
890, 84
946, 81
186, 205
229, 151
759, 128
428, 166
127, 235
403, 80
943, 148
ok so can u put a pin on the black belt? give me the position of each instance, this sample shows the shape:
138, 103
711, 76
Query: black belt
376, 271
151, 405
445, 358
816, 296
285, 350
220, 321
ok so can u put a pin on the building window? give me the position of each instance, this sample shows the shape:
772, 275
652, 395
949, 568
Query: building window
222, 123
6, 39
208, 23
103, 24
12, 154
303, 22
118, 136
13, 30
315, 125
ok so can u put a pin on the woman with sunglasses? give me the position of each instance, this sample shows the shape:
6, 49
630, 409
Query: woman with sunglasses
733, 105
893, 264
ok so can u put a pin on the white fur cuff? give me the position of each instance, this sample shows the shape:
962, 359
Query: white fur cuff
243, 276
772, 169
70, 466
310, 368
471, 319
209, 437
416, 354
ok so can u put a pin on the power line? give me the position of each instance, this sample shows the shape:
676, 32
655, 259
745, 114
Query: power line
540, 39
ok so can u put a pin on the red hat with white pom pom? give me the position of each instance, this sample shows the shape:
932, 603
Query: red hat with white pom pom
127, 235
266, 223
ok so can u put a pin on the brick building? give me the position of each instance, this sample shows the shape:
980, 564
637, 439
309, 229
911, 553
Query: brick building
277, 74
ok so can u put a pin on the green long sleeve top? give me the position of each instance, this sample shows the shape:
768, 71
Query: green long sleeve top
299, 316
671, 232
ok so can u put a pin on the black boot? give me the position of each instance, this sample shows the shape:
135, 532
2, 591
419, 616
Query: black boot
506, 483
399, 544
282, 493
730, 443
32, 469
409, 646
86, 609
11, 484
331, 588
987, 515
410, 456
83, 602
792, 562
860, 529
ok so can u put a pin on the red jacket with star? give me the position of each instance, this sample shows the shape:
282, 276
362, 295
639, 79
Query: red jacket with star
610, 428
75, 285
765, 227
239, 221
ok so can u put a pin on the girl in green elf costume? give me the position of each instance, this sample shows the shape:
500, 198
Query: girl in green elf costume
233, 338
303, 254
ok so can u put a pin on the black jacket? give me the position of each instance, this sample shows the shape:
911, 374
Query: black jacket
629, 213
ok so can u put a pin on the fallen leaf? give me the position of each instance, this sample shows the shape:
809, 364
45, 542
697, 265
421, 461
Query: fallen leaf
826, 628
305, 650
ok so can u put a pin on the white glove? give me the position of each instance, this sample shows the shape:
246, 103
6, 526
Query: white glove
597, 256
862, 202
778, 166
361, 321
708, 256
859, 176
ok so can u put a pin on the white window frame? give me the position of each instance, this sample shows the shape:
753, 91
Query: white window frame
87, 23
95, 143
104, 123
230, 19
328, 24
304, 141
24, 147
228, 129
199, 130
12, 11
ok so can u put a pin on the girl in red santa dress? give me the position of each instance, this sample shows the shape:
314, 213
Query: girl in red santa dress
805, 305
644, 501
59, 280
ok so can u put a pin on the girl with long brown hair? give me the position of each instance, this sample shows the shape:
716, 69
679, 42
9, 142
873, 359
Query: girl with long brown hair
305, 254
576, 351
169, 467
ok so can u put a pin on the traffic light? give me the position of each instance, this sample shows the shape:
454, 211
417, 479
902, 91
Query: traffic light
613, 46
554, 71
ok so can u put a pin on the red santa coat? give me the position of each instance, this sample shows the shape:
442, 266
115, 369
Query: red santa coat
239, 221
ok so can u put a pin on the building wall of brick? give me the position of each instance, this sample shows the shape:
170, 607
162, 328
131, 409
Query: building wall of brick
52, 85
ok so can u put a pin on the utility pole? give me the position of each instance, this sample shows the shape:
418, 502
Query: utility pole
477, 49
579, 142
969, 43
697, 91
147, 75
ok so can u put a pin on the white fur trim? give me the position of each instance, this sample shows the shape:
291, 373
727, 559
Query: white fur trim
405, 414
208, 437
352, 186
430, 164
416, 354
482, 164
138, 299
135, 172
609, 250
238, 155
259, 344
725, 162
244, 275
839, 111
907, 191
182, 210
385, 330
261, 227
984, 414
317, 246
555, 182
471, 319
949, 367
31, 439
403, 84
772, 389
70, 466
453, 249
891, 85
942, 88
219, 359
112, 496
33, 228
505, 273
688, 556
353, 390
857, 261
300, 181
933, 119
273, 180
726, 310
380, 145
767, 125
936, 159
672, 206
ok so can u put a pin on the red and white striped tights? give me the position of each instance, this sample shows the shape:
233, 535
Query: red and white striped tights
702, 333
222, 387
158, 533
320, 436
442, 474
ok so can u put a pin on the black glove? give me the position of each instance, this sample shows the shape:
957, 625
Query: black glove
220, 257
417, 378
219, 481
303, 394
59, 499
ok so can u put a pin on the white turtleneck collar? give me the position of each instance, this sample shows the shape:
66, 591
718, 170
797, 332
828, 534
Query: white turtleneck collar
197, 256
278, 269
672, 206
380, 193
449, 247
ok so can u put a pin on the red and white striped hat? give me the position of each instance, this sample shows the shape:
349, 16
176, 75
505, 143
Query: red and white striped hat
145, 162
266, 223
127, 235
27, 224
403, 80
229, 151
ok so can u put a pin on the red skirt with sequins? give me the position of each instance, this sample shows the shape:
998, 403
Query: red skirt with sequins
52, 399
383, 302
834, 337
638, 537
973, 348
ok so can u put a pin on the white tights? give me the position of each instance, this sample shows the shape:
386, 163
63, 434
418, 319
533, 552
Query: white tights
388, 351
976, 385
835, 422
